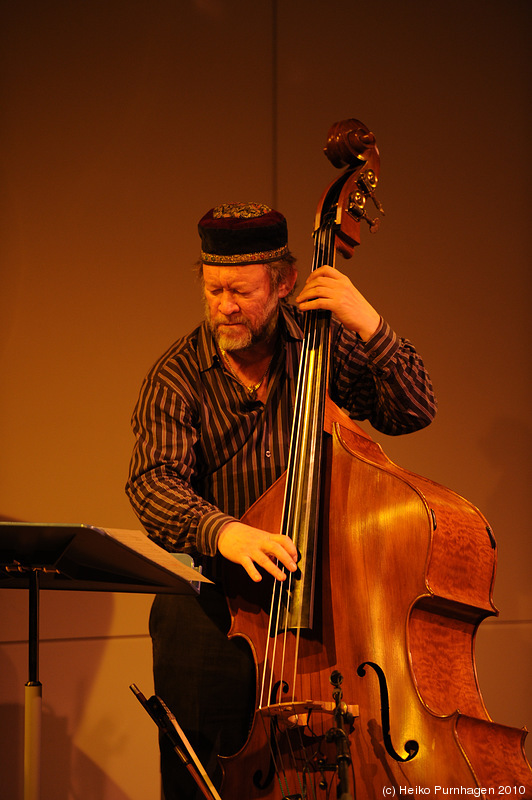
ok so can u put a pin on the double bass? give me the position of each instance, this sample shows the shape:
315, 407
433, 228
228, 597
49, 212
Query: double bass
366, 679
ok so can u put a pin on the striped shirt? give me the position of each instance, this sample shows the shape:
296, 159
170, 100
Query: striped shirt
205, 452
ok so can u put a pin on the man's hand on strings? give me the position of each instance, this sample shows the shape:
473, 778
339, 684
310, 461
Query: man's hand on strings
251, 546
330, 290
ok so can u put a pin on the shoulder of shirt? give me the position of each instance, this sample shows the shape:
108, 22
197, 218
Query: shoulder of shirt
292, 320
179, 363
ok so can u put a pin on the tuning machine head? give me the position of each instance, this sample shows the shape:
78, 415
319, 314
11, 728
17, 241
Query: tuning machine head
365, 187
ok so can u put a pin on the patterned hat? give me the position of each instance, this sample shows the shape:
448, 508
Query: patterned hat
242, 233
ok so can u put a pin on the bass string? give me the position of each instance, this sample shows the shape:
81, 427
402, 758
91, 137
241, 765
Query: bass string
275, 685
321, 255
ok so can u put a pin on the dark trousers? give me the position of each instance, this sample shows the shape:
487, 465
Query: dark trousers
205, 679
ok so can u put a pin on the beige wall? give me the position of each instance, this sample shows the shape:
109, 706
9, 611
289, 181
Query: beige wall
122, 123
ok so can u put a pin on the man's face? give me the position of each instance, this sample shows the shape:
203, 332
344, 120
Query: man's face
240, 305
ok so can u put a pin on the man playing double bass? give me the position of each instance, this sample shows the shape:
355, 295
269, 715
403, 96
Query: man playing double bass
212, 427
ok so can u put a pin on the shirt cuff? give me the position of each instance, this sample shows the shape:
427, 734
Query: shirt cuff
382, 347
209, 528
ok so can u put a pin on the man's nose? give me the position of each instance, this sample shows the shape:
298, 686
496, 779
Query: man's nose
228, 304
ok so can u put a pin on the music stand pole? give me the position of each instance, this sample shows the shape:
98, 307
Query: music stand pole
33, 698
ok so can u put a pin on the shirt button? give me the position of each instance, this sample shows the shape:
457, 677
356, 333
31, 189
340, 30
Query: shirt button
268, 453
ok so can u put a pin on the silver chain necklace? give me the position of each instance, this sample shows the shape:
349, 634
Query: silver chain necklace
253, 388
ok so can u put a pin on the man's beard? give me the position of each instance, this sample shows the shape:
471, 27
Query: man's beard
248, 334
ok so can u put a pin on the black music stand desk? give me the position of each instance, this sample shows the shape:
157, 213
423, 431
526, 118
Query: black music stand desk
37, 556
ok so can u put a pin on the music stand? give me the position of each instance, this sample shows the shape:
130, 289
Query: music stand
38, 556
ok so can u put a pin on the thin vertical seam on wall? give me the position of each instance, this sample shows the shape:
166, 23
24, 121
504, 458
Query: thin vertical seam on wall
274, 104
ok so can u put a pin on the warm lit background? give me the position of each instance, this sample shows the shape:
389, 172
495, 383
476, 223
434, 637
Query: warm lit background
122, 123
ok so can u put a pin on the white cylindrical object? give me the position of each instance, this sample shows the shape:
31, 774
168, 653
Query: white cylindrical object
32, 740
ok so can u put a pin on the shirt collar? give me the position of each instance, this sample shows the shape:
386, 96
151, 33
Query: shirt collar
207, 353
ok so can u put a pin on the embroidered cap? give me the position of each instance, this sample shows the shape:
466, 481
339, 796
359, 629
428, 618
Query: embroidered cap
242, 233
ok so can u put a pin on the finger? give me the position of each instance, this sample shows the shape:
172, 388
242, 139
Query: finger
316, 290
251, 570
316, 303
287, 548
313, 293
325, 269
274, 570
268, 564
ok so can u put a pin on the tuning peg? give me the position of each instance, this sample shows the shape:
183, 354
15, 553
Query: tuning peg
357, 208
374, 224
377, 204
368, 183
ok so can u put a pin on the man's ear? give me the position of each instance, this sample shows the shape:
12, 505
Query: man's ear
286, 286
